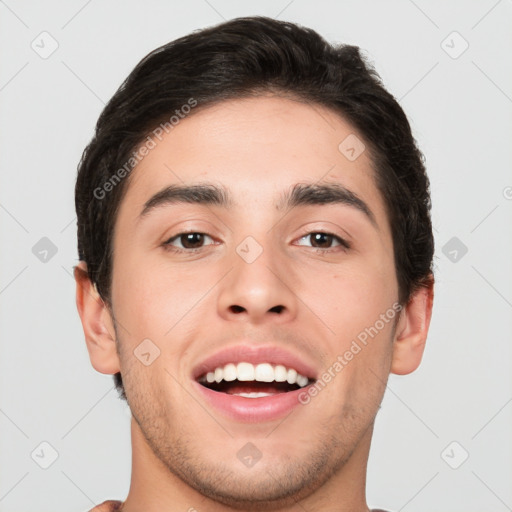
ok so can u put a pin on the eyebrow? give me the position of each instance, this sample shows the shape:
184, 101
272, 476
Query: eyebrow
301, 194
202, 194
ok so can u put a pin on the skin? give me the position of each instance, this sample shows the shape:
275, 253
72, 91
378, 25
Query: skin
184, 451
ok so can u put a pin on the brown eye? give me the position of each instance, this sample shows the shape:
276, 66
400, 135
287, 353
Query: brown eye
190, 241
321, 240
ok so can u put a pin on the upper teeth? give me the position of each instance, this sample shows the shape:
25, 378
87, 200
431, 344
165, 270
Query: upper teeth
263, 372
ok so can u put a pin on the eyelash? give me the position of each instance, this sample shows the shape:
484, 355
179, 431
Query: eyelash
345, 246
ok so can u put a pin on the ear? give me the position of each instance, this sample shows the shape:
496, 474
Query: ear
96, 322
411, 332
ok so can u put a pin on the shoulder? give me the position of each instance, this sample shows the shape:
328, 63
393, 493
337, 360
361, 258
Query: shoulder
108, 506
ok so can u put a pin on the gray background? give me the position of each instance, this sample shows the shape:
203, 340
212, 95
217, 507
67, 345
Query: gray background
460, 107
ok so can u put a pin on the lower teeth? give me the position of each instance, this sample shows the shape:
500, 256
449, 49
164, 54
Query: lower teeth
253, 395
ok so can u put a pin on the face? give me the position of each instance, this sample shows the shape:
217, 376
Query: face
255, 280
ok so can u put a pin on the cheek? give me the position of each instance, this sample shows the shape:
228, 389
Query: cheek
157, 300
353, 298
141, 297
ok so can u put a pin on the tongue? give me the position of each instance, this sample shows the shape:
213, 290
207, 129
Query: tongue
244, 388
236, 387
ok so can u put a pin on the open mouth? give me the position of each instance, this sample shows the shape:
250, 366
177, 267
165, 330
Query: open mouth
254, 381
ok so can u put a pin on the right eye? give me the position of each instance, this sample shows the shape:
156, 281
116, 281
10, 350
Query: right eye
187, 242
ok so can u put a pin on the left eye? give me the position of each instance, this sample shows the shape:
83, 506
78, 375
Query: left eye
188, 240
322, 240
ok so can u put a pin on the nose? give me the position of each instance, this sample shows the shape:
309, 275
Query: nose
258, 290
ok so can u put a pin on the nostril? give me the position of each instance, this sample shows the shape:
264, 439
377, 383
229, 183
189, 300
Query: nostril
239, 309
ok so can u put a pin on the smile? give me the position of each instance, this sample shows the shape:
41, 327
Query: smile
253, 384
253, 381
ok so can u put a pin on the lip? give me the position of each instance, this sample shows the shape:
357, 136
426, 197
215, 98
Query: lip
255, 355
252, 410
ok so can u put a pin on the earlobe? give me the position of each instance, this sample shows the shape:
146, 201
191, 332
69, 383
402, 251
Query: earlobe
412, 330
96, 322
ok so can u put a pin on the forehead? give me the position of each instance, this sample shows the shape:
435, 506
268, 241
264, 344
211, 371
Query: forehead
257, 149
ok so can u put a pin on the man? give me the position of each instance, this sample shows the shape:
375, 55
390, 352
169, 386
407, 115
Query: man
255, 258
